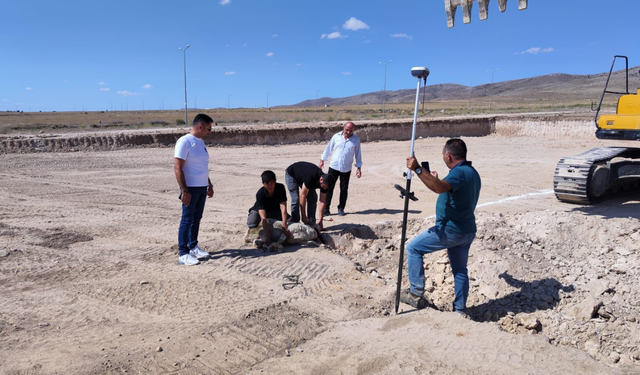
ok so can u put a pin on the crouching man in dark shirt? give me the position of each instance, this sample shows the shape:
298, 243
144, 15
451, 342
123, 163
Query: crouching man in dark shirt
302, 179
271, 203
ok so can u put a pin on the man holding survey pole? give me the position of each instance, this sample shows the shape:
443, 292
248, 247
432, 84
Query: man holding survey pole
455, 226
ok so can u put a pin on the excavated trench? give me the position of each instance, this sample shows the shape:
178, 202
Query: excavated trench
527, 125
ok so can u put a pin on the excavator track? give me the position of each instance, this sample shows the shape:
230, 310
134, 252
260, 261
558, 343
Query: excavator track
585, 178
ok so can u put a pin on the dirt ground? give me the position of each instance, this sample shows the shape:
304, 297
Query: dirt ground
90, 282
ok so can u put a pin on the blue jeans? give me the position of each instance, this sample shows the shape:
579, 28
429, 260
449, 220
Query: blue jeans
190, 223
457, 246
294, 193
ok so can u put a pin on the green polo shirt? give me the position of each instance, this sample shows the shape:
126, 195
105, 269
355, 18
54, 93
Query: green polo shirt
455, 208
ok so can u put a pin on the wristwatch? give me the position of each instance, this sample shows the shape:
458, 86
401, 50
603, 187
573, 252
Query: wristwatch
418, 171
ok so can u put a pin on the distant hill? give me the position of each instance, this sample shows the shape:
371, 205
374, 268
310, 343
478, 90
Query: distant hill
558, 86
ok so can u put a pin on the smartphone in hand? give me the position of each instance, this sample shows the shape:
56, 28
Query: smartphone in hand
425, 166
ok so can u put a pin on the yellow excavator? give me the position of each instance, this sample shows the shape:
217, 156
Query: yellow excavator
592, 176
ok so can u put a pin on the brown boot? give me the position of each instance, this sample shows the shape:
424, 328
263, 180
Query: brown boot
411, 299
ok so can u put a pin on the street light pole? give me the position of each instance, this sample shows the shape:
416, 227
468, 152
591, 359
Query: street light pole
186, 116
384, 87
491, 96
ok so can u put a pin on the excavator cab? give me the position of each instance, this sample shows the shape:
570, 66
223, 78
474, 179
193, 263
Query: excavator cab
625, 123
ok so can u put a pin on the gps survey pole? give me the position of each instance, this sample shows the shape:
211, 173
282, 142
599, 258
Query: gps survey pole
420, 73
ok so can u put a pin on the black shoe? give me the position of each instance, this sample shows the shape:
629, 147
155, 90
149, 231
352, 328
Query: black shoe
341, 212
326, 212
411, 299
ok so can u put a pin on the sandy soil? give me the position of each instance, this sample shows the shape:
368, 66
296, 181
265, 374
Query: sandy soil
90, 282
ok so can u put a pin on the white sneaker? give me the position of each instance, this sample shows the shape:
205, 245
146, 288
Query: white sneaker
188, 260
199, 253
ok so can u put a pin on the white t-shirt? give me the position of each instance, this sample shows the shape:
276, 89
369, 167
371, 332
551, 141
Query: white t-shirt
192, 150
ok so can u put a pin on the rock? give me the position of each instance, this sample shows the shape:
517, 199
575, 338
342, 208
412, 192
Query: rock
592, 347
584, 310
531, 323
547, 298
144, 282
4, 253
159, 349
614, 357
488, 291
597, 287
619, 268
43, 325
622, 251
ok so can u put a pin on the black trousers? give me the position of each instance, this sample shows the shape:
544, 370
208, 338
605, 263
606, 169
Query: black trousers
344, 188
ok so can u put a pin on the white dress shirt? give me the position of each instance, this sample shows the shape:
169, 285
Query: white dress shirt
342, 152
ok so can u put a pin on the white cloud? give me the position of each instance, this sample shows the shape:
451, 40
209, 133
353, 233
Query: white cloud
5, 100
275, 35
333, 35
244, 45
224, 2
101, 83
126, 93
354, 24
269, 54
346, 73
28, 88
402, 35
147, 86
298, 64
231, 73
105, 89
226, 45
535, 51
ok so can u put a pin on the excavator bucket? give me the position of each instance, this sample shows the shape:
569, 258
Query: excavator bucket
450, 7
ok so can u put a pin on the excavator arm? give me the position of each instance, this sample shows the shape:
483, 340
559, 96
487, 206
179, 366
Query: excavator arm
450, 7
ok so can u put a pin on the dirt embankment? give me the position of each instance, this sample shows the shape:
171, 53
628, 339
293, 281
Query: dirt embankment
535, 125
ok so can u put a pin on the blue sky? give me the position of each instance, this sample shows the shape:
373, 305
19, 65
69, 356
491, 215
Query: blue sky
112, 55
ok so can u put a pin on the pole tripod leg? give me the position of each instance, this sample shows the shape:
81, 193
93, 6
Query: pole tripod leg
402, 240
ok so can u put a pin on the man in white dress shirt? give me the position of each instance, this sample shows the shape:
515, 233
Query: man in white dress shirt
343, 148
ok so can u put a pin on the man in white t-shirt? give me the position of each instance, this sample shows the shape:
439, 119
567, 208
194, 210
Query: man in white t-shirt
192, 172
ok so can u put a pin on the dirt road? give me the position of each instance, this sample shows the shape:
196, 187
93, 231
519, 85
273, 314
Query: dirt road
90, 282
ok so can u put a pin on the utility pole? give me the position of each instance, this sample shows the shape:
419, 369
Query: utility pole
491, 96
384, 87
186, 116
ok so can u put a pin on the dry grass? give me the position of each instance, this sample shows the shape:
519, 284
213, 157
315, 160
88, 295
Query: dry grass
65, 122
